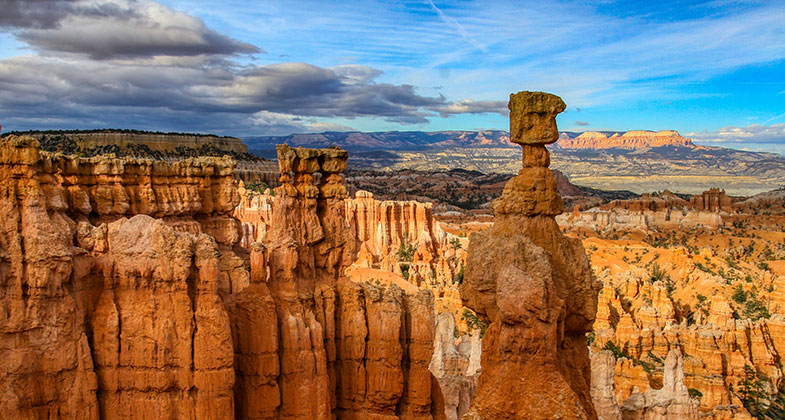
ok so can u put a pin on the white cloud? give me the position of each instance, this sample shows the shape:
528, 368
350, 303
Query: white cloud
282, 124
735, 136
115, 28
470, 106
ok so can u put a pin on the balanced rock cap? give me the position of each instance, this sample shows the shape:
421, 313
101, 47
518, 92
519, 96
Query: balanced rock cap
533, 117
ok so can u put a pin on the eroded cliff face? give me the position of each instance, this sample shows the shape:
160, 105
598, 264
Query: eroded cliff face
672, 401
663, 210
714, 295
125, 295
402, 237
121, 319
637, 139
384, 241
535, 287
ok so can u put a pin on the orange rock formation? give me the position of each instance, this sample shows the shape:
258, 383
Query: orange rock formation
629, 140
379, 229
721, 313
109, 317
713, 200
535, 287
125, 295
378, 232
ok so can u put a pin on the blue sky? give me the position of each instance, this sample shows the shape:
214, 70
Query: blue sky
713, 70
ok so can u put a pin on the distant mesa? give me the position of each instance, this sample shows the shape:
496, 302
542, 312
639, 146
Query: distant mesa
637, 139
152, 140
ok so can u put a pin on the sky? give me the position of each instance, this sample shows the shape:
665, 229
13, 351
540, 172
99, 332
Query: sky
713, 70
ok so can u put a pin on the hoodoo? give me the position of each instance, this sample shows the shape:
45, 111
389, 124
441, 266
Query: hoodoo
534, 285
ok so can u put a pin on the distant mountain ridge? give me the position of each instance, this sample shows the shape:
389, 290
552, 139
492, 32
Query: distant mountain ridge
385, 140
638, 161
419, 140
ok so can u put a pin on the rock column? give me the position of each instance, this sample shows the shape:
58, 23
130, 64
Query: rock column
533, 285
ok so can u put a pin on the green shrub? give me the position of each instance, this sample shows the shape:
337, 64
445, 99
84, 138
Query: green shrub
618, 353
474, 322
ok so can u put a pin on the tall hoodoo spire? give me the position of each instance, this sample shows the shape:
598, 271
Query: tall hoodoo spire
534, 285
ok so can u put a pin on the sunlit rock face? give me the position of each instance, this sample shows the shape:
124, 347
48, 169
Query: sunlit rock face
535, 287
108, 311
125, 294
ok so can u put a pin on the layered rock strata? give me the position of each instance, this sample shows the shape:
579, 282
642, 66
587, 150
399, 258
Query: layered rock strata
109, 317
637, 139
124, 295
380, 229
154, 141
535, 287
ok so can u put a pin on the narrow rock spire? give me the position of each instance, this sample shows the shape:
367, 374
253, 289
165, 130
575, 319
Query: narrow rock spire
534, 285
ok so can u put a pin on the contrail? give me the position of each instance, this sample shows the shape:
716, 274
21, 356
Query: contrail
774, 118
458, 28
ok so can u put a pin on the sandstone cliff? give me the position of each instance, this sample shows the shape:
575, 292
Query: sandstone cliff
389, 240
125, 294
630, 140
401, 237
102, 313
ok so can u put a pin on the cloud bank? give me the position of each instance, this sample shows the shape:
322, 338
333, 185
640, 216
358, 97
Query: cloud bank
739, 136
139, 63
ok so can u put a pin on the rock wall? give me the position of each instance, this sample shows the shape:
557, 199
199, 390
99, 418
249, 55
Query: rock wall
535, 287
125, 294
637, 139
379, 229
98, 319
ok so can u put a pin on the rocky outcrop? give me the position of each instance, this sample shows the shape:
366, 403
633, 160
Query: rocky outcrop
712, 200
125, 295
638, 139
537, 291
398, 236
671, 401
456, 365
255, 213
603, 365
383, 228
354, 350
108, 317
